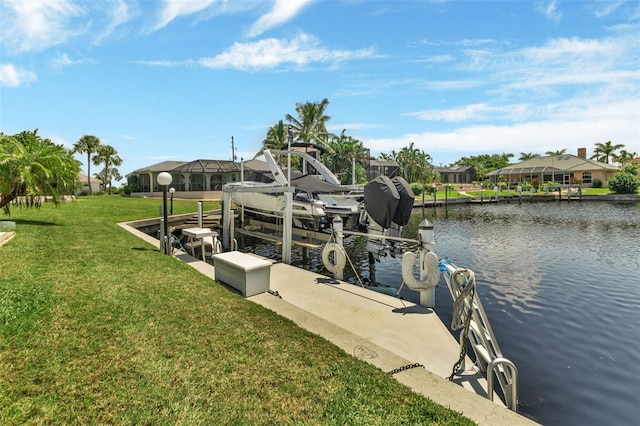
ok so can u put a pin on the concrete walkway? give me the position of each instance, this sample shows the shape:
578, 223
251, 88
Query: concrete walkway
382, 330
6, 236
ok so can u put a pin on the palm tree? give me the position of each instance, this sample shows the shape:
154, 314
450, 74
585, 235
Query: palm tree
32, 167
310, 125
108, 156
554, 153
340, 154
276, 138
88, 144
605, 150
624, 156
524, 156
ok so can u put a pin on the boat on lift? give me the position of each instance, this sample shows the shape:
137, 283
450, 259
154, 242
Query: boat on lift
317, 197
267, 201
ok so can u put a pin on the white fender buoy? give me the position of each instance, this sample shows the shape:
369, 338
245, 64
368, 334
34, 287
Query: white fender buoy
339, 257
430, 264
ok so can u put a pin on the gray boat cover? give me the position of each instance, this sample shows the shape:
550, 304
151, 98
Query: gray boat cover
405, 207
311, 183
381, 199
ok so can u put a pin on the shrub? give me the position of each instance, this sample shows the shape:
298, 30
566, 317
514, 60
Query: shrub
624, 183
416, 188
535, 182
597, 183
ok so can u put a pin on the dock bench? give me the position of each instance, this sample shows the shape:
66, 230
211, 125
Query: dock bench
248, 274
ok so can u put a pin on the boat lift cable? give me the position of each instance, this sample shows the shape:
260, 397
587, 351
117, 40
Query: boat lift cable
355, 271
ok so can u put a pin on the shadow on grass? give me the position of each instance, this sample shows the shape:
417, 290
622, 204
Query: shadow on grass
34, 222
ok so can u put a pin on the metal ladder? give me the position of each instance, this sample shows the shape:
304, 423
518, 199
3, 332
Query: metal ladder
488, 355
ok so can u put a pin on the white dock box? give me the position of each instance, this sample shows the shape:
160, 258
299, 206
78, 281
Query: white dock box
248, 274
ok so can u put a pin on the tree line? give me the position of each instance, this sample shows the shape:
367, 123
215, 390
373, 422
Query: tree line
32, 167
310, 126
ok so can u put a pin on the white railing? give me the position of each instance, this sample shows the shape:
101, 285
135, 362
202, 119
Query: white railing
488, 356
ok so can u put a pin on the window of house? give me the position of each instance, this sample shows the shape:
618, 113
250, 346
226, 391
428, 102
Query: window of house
215, 182
177, 181
197, 182
586, 177
144, 183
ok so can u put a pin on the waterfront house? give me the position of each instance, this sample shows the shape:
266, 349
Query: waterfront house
564, 169
456, 174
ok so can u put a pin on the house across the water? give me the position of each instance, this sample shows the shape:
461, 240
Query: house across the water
565, 169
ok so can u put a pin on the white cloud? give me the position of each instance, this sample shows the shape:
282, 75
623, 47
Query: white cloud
11, 76
119, 12
165, 63
549, 9
558, 63
63, 60
607, 8
473, 112
282, 11
173, 9
37, 25
571, 125
271, 53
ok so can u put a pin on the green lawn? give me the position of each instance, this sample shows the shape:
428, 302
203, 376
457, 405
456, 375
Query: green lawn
97, 327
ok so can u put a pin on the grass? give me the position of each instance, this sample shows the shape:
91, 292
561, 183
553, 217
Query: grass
96, 326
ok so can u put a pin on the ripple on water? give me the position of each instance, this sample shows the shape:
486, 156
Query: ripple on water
560, 285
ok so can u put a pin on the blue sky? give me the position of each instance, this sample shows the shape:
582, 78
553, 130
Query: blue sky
176, 79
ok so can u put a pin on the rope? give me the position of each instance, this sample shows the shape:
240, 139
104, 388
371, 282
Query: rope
443, 264
334, 238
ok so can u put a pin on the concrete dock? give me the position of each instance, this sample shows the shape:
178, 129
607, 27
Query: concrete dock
382, 330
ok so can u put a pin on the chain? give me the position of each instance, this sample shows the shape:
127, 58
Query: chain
274, 293
463, 344
405, 367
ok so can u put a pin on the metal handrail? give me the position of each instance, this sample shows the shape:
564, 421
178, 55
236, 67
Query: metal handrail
485, 346
511, 390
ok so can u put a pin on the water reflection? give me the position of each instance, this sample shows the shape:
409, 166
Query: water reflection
560, 284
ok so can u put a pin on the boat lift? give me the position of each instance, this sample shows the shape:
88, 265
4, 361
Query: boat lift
469, 315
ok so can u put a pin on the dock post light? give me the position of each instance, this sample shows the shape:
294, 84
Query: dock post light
164, 179
172, 190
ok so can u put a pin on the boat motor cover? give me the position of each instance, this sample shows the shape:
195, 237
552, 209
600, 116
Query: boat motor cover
403, 212
381, 199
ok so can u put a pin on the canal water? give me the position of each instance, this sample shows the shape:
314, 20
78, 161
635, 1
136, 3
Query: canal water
560, 283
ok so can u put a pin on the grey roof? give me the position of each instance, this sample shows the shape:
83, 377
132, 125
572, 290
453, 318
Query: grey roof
196, 166
257, 165
453, 169
554, 164
165, 166
207, 166
83, 179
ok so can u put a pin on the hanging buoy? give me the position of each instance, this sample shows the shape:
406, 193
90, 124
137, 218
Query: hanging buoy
339, 257
430, 265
